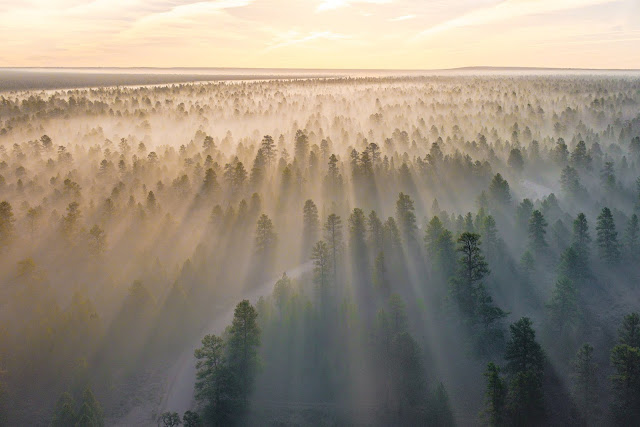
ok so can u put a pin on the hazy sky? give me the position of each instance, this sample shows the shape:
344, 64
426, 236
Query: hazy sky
391, 34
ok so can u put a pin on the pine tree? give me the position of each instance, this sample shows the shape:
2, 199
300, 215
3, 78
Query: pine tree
472, 268
380, 280
523, 213
322, 266
499, 191
625, 383
333, 237
608, 177
562, 308
266, 237
191, 419
629, 332
585, 382
495, 397
537, 225
406, 218
445, 254
301, 146
432, 232
65, 413
243, 343
268, 148
6, 223
525, 365
607, 238
376, 232
632, 239
90, 413
216, 385
310, 224
357, 240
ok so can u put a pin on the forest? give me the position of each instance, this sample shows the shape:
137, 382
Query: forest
383, 251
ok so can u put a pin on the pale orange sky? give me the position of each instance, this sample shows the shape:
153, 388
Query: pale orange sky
384, 34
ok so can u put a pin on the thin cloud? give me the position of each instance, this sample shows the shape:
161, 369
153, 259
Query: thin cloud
402, 18
508, 9
294, 38
337, 4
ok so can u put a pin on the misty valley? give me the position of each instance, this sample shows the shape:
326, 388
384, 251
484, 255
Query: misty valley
438, 250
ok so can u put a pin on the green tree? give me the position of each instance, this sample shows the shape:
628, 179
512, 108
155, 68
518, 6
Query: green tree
191, 419
71, 219
333, 237
406, 218
266, 237
210, 183
64, 414
525, 365
322, 266
585, 382
170, 419
257, 170
268, 147
6, 223
625, 383
467, 289
495, 396
608, 177
523, 213
216, 385
301, 146
98, 240
472, 268
376, 232
515, 161
445, 254
380, 280
632, 239
537, 230
90, 414
432, 232
499, 191
310, 224
243, 343
607, 238
629, 332
562, 308
570, 182
357, 241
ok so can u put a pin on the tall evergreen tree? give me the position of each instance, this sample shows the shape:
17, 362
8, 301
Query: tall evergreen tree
632, 239
537, 230
525, 365
499, 191
357, 239
266, 237
607, 238
310, 224
333, 237
585, 382
243, 343
406, 218
495, 397
322, 266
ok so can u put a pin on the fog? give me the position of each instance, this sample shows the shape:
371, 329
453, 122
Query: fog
364, 248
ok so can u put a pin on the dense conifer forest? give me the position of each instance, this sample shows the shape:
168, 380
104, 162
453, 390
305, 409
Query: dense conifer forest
394, 251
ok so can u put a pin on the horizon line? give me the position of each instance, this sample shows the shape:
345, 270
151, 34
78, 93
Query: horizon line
471, 67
